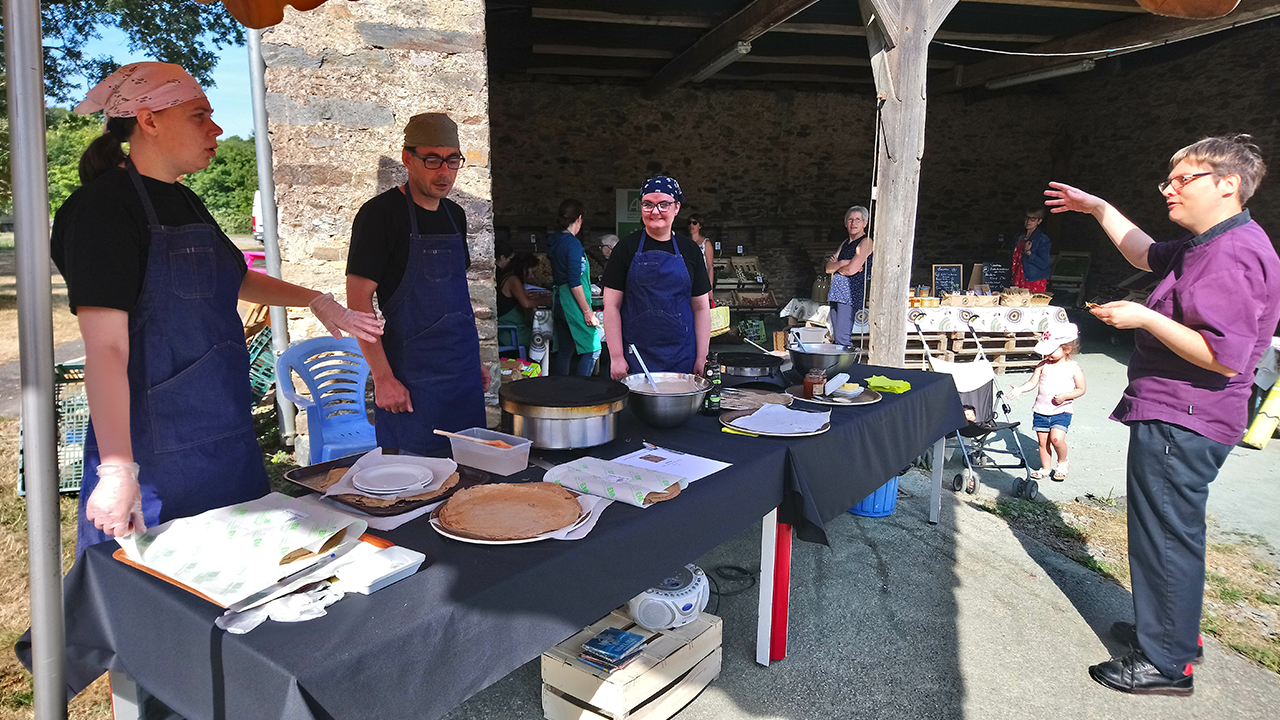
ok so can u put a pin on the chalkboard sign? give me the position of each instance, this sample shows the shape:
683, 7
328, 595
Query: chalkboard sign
947, 279
997, 276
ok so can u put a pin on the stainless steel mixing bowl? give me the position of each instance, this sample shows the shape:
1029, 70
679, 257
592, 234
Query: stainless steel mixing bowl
665, 410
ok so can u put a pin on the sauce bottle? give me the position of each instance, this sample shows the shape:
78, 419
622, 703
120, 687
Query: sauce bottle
711, 403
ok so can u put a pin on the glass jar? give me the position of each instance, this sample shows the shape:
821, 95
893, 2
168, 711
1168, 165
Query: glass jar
815, 383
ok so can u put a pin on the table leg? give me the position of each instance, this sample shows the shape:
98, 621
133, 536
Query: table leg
125, 703
781, 592
764, 620
935, 492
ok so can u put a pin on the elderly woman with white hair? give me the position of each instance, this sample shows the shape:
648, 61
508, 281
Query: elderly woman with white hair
850, 269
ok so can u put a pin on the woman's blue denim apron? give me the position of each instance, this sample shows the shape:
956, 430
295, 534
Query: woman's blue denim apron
190, 419
656, 315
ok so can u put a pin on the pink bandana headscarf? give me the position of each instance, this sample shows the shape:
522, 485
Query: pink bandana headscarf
145, 85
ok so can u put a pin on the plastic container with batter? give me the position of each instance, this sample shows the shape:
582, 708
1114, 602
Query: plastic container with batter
499, 461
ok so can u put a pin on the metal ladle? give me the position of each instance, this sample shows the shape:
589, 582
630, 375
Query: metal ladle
644, 367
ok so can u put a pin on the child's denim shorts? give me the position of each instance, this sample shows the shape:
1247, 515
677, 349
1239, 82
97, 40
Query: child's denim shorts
1045, 423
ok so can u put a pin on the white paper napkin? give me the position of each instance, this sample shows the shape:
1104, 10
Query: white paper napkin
779, 419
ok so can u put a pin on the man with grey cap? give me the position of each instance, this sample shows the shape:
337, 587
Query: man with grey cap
408, 245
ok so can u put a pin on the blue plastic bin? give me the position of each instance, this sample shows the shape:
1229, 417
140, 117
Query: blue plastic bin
879, 503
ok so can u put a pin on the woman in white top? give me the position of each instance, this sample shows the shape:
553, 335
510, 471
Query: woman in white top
704, 244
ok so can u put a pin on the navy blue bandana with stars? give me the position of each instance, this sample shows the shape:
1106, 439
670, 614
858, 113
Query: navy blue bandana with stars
662, 184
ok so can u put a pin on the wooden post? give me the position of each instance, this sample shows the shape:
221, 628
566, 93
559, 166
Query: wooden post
898, 33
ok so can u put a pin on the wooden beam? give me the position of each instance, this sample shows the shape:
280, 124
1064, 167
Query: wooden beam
900, 74
652, 54
1119, 6
861, 31
597, 16
743, 26
889, 12
590, 72
836, 60
587, 51
1146, 32
938, 11
692, 21
793, 77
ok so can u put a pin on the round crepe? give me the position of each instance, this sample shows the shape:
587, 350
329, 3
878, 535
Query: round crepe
510, 511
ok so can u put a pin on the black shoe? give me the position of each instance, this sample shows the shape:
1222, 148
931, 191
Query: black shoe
1134, 673
1127, 633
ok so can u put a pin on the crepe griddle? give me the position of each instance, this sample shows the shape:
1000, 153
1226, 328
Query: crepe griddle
750, 360
559, 391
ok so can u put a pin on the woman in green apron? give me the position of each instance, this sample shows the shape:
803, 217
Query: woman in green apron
577, 329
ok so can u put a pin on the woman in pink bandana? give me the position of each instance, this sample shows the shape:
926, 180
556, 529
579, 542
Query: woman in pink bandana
154, 283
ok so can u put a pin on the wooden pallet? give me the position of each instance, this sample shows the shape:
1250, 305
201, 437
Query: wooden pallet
1006, 351
669, 673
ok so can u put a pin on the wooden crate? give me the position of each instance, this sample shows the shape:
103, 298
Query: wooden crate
1006, 351
669, 673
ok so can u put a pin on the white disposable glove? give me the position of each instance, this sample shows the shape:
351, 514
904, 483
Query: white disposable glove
336, 318
115, 505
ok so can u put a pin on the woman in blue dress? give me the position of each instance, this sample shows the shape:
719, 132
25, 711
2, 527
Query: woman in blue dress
850, 269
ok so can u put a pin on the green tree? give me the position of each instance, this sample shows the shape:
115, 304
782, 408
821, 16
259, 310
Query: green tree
177, 31
66, 137
227, 185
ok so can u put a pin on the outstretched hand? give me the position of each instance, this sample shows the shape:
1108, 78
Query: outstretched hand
1065, 198
336, 318
1123, 314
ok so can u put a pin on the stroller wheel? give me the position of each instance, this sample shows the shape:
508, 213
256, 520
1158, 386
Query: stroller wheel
1018, 485
1032, 488
957, 483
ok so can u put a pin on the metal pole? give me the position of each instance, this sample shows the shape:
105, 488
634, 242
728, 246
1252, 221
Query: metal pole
270, 237
25, 79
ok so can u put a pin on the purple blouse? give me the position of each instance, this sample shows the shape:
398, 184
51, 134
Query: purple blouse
1224, 284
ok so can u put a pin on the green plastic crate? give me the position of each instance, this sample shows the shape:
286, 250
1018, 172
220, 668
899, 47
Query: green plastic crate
262, 365
71, 413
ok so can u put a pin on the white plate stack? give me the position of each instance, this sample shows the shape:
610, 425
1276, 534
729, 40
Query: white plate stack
391, 479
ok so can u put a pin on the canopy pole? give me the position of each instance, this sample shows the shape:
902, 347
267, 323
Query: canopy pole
25, 79
270, 235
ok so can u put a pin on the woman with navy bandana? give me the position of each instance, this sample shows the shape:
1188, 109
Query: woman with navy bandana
657, 292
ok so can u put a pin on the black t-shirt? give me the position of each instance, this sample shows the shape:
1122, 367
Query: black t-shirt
615, 273
380, 238
100, 236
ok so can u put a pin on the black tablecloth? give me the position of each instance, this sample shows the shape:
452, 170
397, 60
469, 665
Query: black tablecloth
475, 613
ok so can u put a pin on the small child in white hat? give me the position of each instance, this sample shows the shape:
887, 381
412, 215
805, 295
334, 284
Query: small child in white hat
1060, 381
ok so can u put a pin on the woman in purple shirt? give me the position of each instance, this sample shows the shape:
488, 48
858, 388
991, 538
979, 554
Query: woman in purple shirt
1198, 340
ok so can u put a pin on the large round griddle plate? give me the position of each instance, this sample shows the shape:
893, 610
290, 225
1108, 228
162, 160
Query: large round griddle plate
563, 391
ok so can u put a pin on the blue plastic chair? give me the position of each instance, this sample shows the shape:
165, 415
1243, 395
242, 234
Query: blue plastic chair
513, 333
335, 373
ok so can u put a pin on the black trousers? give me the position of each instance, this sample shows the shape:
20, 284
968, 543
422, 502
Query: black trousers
1169, 472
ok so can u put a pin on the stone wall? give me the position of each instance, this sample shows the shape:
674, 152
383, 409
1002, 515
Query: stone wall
779, 168
342, 81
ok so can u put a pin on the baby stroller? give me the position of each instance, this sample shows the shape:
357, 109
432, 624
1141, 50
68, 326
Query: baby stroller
976, 383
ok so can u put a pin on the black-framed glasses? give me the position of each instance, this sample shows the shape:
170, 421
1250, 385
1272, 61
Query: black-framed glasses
660, 206
695, 222
432, 161
1180, 181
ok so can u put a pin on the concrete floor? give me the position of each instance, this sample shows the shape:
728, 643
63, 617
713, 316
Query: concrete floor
965, 619
1245, 498
898, 619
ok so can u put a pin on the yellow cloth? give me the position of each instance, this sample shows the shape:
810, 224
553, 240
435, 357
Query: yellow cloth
880, 383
